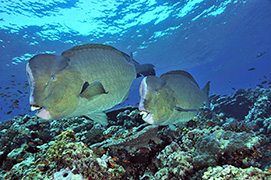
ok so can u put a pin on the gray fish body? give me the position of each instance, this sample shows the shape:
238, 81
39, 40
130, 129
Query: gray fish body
174, 98
111, 69
84, 80
189, 96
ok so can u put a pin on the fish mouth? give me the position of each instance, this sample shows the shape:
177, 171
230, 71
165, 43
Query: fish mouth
147, 116
42, 112
35, 107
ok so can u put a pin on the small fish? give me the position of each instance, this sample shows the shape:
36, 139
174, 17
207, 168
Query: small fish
114, 158
12, 75
46, 162
260, 54
259, 85
251, 69
8, 176
86, 145
264, 82
112, 163
20, 92
84, 80
9, 112
174, 98
94, 149
233, 89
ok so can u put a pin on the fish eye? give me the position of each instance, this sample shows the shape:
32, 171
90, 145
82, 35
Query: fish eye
53, 78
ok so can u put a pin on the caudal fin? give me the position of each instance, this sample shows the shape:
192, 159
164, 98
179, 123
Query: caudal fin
144, 69
206, 90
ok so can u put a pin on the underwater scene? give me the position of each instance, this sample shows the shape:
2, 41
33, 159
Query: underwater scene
135, 90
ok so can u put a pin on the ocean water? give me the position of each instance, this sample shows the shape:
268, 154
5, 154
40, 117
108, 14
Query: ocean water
227, 42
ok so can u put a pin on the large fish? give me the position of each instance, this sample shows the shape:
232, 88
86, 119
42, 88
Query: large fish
84, 80
174, 98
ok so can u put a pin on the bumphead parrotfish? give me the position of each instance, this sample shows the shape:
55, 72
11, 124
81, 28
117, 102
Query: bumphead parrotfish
174, 98
84, 80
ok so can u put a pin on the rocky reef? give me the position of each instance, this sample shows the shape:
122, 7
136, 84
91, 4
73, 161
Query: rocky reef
229, 140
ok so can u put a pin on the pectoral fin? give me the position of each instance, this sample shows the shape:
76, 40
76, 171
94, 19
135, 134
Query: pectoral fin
89, 91
99, 117
184, 110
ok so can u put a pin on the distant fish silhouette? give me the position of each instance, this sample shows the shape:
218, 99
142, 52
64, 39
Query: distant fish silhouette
251, 69
259, 85
264, 82
233, 88
260, 54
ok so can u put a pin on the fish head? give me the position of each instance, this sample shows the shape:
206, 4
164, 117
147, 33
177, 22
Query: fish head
54, 87
157, 100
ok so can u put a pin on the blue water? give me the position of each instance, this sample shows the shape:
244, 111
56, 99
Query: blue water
214, 40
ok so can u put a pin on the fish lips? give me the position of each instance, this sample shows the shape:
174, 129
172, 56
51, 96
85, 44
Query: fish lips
42, 112
147, 116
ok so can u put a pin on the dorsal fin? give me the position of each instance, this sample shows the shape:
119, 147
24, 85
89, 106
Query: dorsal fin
77, 49
180, 72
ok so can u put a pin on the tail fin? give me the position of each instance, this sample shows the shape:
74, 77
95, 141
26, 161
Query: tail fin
142, 69
145, 70
206, 90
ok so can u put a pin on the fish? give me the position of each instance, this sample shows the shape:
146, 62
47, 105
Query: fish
264, 82
260, 54
251, 69
172, 99
85, 80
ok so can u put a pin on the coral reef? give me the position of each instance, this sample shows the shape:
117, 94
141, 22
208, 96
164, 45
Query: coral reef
221, 147
231, 172
77, 156
173, 162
